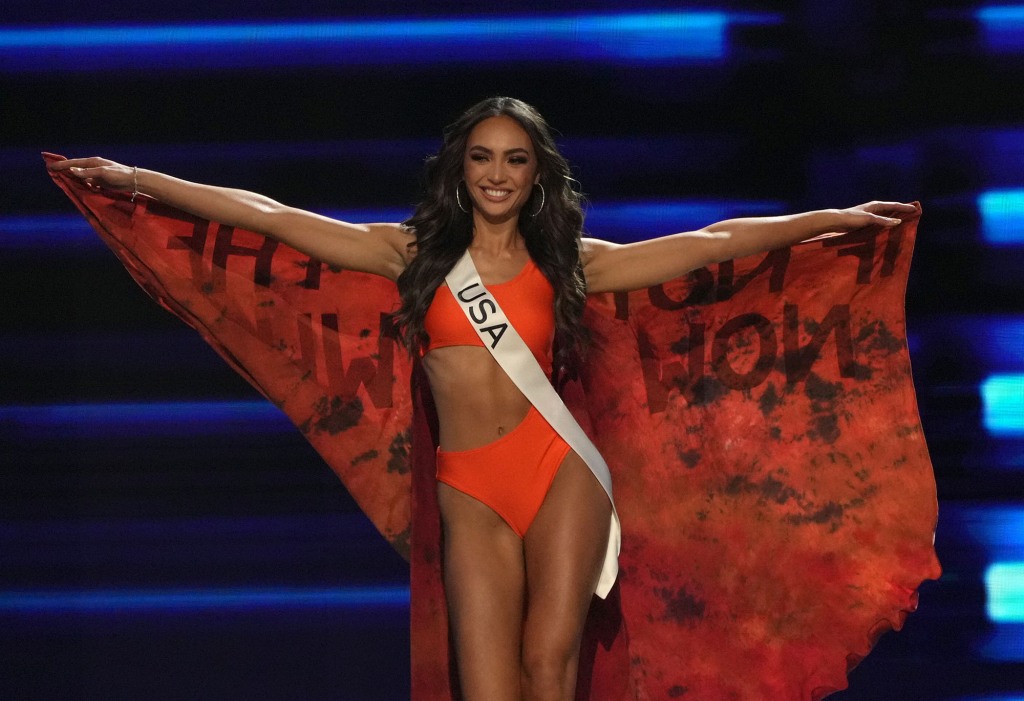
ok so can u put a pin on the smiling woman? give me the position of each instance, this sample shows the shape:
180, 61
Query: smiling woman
500, 168
492, 275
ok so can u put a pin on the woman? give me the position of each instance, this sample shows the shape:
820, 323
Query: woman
520, 569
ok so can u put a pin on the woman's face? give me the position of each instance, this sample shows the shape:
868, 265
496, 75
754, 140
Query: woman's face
500, 168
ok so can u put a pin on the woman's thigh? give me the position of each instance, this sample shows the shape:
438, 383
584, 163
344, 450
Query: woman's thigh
484, 586
565, 549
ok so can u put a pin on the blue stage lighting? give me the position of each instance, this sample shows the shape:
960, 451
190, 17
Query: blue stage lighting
52, 232
1002, 398
993, 530
994, 533
639, 37
1002, 216
995, 341
1004, 586
999, 151
1000, 341
49, 232
1002, 27
1004, 590
1005, 643
143, 419
33, 602
636, 221
616, 221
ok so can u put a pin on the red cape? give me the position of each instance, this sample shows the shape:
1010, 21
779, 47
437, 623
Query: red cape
758, 416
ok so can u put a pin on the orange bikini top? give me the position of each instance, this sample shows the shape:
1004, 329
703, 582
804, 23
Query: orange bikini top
527, 299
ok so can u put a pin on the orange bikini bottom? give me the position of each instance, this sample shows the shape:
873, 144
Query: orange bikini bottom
512, 475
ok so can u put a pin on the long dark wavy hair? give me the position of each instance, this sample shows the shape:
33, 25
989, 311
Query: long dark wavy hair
444, 232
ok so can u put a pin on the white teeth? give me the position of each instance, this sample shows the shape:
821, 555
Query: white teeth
497, 193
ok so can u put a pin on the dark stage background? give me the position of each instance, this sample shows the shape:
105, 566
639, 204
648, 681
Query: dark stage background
165, 534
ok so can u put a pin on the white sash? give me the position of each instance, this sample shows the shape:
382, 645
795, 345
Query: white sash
517, 360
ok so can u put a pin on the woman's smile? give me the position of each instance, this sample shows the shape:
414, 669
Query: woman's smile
496, 194
500, 167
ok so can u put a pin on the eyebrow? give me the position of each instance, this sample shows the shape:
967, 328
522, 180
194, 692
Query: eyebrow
511, 150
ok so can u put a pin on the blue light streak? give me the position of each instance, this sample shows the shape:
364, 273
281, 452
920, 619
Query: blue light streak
994, 532
631, 38
50, 232
1005, 643
615, 221
1002, 216
1002, 397
143, 419
994, 342
28, 602
1002, 27
999, 151
1004, 585
998, 341
637, 221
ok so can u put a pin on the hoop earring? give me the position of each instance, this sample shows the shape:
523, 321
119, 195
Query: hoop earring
542, 200
458, 199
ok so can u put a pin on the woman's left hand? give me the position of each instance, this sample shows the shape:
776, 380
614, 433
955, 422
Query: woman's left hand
884, 214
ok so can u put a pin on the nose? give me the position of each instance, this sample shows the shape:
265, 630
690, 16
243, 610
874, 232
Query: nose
496, 173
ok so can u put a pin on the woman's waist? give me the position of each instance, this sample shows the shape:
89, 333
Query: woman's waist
469, 419
476, 401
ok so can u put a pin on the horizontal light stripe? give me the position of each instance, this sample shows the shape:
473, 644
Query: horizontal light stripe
992, 342
1004, 587
1002, 27
659, 37
1002, 398
579, 27
1001, 15
49, 232
994, 530
994, 152
202, 599
1001, 339
352, 528
635, 221
1002, 216
984, 343
1005, 643
143, 419
999, 151
617, 221
698, 150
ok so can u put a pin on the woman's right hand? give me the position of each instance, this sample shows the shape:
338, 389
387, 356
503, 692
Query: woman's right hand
99, 173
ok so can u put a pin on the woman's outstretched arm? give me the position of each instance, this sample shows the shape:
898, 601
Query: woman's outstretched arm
381, 249
611, 267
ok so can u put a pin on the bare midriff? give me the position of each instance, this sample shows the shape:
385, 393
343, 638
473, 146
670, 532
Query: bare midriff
476, 401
